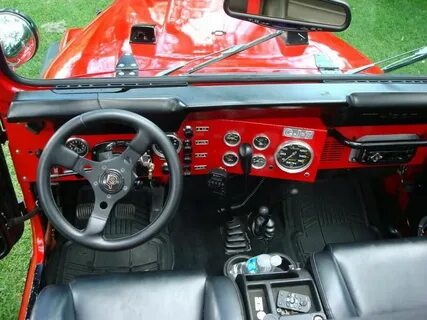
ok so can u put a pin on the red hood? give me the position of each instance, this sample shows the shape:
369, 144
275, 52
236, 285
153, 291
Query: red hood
187, 29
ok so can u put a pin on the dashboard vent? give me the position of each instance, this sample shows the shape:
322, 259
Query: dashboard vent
333, 151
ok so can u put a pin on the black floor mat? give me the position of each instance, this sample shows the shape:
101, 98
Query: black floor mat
129, 216
196, 232
330, 211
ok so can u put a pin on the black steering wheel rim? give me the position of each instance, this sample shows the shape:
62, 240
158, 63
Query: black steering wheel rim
55, 153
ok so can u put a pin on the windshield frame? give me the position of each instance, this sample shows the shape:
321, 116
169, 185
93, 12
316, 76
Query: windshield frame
184, 80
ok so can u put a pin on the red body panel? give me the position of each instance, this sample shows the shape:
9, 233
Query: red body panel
186, 30
8, 88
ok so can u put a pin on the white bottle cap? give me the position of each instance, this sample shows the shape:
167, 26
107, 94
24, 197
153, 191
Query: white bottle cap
276, 260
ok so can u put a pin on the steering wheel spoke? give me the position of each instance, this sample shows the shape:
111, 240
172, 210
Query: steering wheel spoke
69, 159
136, 148
99, 216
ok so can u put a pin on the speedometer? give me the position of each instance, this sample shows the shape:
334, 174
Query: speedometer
294, 156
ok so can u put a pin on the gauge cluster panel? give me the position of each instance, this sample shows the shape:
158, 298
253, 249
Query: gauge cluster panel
289, 144
281, 148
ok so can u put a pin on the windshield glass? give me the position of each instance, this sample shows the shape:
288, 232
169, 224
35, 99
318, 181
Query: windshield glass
146, 38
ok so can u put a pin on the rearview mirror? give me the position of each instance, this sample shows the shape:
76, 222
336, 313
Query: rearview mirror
292, 15
18, 37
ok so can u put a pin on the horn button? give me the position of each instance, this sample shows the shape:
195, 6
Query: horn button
111, 181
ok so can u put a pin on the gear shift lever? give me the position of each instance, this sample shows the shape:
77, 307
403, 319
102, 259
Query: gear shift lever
262, 225
245, 155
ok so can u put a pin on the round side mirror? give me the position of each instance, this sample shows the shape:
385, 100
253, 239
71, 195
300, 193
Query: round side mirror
19, 37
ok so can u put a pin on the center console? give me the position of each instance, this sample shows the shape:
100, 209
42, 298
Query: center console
288, 292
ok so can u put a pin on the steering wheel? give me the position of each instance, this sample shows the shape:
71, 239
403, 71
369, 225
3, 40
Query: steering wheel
111, 179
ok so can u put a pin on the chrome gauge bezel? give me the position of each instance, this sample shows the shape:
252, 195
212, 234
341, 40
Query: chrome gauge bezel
261, 136
82, 141
231, 144
261, 156
298, 143
169, 135
230, 164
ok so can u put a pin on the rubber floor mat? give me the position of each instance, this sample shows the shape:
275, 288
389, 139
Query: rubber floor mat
326, 212
129, 216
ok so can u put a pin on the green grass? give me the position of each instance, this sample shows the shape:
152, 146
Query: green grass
384, 28
380, 28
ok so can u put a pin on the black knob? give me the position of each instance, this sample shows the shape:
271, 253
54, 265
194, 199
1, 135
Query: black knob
187, 158
165, 168
188, 132
264, 211
245, 155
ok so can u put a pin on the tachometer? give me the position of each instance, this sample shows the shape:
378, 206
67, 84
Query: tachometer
232, 138
294, 156
78, 145
230, 159
176, 142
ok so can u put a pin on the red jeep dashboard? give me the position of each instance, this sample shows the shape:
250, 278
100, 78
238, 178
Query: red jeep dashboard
292, 131
286, 143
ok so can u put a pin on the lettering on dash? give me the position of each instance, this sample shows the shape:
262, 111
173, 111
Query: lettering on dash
298, 133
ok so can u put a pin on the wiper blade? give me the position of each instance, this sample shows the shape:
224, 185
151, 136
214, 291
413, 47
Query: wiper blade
224, 53
182, 65
416, 57
235, 50
406, 58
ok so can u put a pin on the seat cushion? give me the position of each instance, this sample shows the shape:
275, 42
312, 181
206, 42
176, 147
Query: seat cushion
148, 295
365, 279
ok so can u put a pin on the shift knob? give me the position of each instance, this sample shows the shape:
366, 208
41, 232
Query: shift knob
245, 155
260, 222
264, 211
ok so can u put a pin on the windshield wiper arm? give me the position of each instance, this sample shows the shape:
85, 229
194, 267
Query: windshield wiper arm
235, 50
182, 65
406, 59
223, 54
416, 57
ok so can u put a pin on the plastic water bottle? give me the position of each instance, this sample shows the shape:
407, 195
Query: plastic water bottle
259, 264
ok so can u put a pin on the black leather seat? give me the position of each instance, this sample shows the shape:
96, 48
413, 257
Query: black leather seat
371, 279
149, 295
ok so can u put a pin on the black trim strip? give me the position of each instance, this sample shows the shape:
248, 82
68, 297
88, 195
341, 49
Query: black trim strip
68, 103
375, 144
387, 100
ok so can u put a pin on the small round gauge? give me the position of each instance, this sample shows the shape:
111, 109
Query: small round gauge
261, 142
294, 156
176, 142
258, 161
232, 138
78, 145
230, 159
